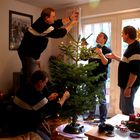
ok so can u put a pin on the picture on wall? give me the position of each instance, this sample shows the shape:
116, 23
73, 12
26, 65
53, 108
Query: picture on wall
18, 23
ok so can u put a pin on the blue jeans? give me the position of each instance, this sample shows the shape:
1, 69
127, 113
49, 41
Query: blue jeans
102, 102
126, 103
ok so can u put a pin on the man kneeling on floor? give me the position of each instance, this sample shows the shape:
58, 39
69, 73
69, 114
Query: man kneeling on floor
31, 105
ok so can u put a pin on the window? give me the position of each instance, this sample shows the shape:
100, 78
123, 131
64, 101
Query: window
95, 29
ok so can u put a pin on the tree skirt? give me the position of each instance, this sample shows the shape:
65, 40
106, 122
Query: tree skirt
60, 131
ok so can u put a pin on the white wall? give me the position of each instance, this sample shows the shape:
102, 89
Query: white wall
9, 61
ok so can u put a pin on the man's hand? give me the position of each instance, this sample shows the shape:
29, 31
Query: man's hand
66, 95
53, 96
98, 51
113, 56
110, 55
127, 92
74, 15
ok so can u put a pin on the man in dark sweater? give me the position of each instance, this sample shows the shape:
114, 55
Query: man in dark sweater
128, 70
35, 39
102, 68
31, 106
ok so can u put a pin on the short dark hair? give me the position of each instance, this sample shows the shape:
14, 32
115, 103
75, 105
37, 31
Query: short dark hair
131, 31
105, 36
46, 12
38, 75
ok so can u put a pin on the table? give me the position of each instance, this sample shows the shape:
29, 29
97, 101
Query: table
116, 120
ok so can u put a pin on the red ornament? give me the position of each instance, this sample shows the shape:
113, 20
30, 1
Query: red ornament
138, 114
132, 117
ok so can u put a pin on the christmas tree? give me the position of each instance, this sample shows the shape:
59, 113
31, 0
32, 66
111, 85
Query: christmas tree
77, 78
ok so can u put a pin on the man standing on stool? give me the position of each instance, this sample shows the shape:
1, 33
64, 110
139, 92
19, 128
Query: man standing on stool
35, 39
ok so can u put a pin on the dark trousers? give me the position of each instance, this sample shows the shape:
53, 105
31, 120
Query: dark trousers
29, 65
101, 97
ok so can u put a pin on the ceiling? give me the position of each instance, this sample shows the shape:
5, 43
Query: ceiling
57, 4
